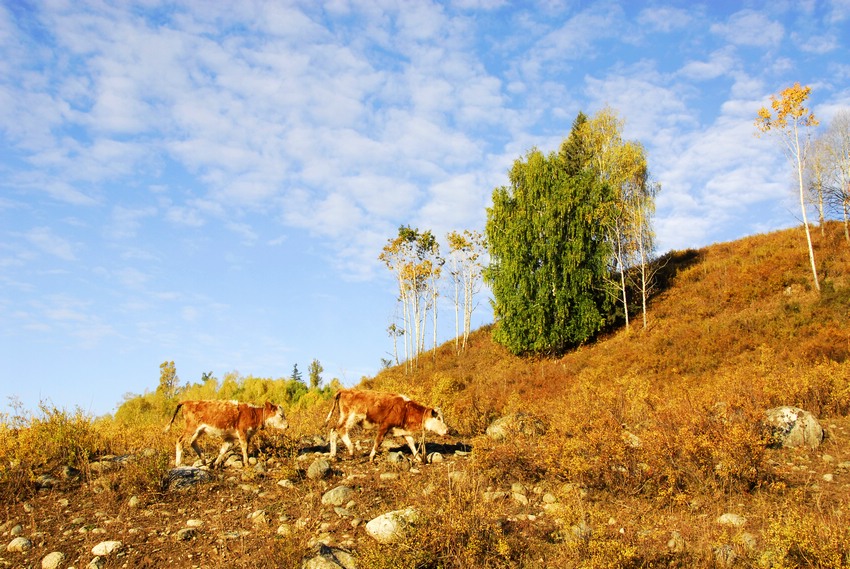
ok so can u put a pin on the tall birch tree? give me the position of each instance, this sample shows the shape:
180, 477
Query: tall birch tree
790, 120
466, 256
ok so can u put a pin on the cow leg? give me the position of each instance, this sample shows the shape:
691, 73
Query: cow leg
332, 436
243, 442
348, 444
412, 444
224, 448
178, 452
379, 438
193, 441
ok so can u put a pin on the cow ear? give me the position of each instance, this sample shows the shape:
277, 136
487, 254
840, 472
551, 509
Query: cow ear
435, 412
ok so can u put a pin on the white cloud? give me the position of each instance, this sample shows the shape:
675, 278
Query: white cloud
665, 18
44, 239
125, 221
750, 28
718, 64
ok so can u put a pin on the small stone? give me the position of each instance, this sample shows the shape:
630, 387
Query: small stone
828, 477
19, 544
194, 523
133, 501
53, 560
731, 520
676, 543
320, 468
386, 476
337, 496
186, 534
17, 529
520, 498
105, 548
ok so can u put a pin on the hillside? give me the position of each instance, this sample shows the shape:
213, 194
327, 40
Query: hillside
642, 449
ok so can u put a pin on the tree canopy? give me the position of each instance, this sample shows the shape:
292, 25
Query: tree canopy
548, 248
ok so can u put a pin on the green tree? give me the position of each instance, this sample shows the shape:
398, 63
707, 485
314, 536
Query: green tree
790, 120
296, 374
314, 371
168, 380
549, 253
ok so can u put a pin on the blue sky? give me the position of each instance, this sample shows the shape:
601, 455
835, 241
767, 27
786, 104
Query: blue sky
212, 182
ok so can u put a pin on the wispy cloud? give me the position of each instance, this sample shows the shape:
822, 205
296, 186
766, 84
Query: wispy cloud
48, 242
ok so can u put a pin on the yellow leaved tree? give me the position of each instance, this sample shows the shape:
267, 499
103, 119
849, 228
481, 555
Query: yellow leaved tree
790, 120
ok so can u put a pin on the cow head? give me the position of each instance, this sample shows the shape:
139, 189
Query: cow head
434, 422
273, 416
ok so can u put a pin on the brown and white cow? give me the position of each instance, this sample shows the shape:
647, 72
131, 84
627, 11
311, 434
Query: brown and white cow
231, 420
389, 413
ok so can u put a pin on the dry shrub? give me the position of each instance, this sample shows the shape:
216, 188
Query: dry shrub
704, 450
142, 474
518, 459
457, 529
822, 388
588, 441
31, 445
796, 539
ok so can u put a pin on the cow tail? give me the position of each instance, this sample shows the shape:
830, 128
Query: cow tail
174, 416
334, 407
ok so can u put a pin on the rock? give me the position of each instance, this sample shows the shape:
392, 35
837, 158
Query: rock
337, 496
96, 563
790, 427
45, 481
105, 548
319, 469
828, 477
389, 527
582, 531
494, 496
259, 518
53, 560
185, 477
16, 530
389, 476
505, 427
19, 545
731, 520
676, 543
435, 458
520, 498
186, 534
326, 557
133, 501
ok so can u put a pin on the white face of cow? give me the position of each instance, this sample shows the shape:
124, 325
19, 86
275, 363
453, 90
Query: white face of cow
276, 418
435, 423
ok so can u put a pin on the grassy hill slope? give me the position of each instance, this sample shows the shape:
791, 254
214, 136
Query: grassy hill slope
627, 451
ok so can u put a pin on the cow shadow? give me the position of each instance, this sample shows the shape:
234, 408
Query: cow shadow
443, 448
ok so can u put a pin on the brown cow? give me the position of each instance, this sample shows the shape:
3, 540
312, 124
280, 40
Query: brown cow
389, 413
230, 420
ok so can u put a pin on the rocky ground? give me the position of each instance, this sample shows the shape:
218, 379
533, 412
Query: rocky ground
264, 515
314, 512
